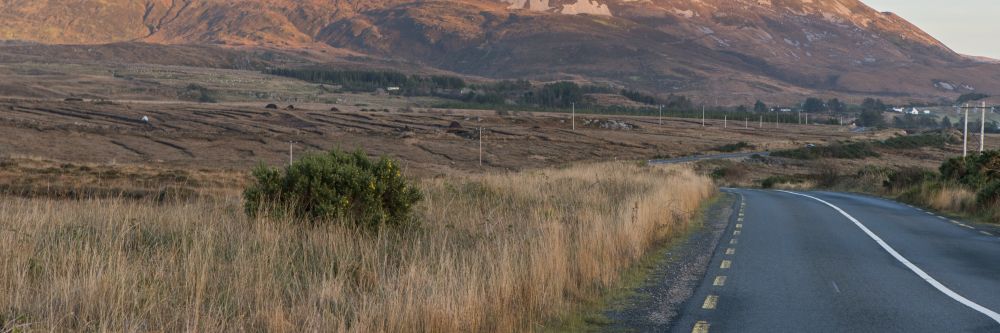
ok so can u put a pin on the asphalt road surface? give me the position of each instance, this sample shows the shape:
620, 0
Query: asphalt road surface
706, 157
833, 262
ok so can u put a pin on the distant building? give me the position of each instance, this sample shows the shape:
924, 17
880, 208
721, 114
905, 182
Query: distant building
392, 89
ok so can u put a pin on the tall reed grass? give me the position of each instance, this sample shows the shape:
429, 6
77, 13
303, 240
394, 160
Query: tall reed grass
500, 253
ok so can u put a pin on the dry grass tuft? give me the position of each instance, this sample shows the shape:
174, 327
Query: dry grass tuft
502, 252
951, 199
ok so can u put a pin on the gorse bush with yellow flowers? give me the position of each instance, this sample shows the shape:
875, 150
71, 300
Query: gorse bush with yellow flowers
334, 186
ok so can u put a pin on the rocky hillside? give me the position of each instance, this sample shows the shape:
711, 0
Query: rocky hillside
735, 50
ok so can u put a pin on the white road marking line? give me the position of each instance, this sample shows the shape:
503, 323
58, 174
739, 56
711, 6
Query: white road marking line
835, 287
906, 262
986, 233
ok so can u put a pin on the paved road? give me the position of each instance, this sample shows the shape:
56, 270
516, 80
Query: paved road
707, 157
832, 262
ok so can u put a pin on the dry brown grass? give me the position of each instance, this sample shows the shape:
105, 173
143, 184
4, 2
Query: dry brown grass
951, 199
501, 252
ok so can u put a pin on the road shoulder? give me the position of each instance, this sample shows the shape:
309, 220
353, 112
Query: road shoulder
673, 275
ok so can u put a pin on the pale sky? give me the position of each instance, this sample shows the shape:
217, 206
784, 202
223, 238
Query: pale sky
967, 26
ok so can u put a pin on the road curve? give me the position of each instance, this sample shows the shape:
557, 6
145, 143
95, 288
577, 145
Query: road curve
706, 157
834, 262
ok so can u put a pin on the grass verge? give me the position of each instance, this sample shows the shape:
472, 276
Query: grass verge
591, 316
499, 252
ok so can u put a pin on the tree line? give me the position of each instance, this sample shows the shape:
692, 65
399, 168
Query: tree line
371, 81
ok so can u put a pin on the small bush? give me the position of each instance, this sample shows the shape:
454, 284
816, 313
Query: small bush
829, 176
734, 147
917, 141
976, 170
858, 150
908, 177
989, 195
730, 172
773, 181
334, 186
197, 93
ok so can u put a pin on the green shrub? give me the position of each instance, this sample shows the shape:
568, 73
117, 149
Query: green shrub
334, 186
829, 176
989, 195
908, 177
197, 93
772, 181
730, 172
858, 150
734, 147
976, 170
916, 141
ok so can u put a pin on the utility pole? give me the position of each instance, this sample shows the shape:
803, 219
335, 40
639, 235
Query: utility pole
480, 147
965, 138
761, 125
746, 122
573, 118
725, 121
982, 131
661, 114
807, 119
291, 158
703, 115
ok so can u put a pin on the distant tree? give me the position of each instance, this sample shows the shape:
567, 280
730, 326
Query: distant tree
898, 122
871, 104
927, 122
560, 94
970, 97
742, 108
946, 123
679, 102
639, 97
836, 105
759, 107
871, 118
813, 104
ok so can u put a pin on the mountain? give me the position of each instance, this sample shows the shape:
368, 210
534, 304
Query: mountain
733, 50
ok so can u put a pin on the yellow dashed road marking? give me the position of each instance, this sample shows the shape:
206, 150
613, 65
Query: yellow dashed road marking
710, 302
731, 251
739, 220
726, 264
719, 281
739, 226
736, 233
701, 327
734, 241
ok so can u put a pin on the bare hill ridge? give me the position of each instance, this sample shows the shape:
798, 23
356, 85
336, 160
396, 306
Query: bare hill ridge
735, 48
